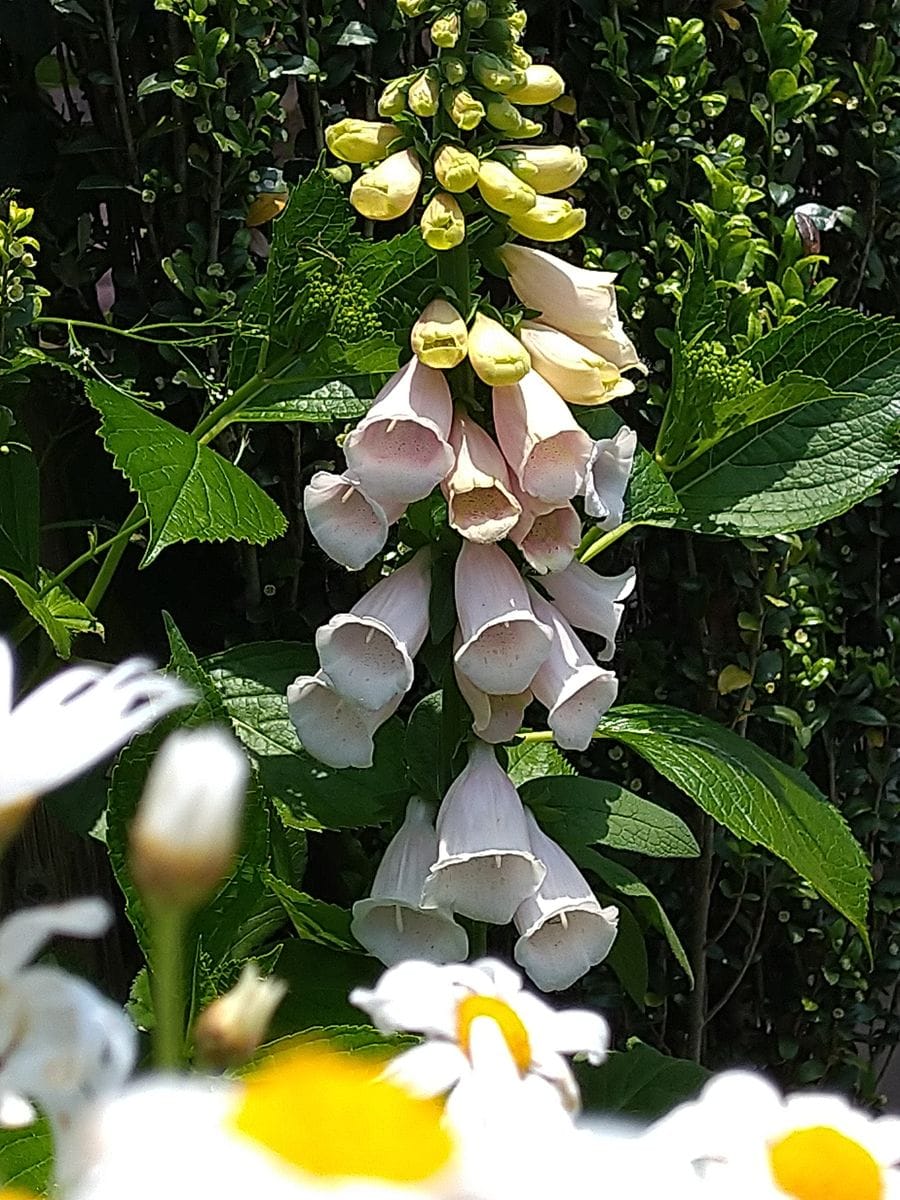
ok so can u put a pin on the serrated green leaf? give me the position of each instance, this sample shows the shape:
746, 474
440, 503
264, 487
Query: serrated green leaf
189, 492
26, 1157
299, 398
319, 980
534, 760
345, 1039
58, 612
639, 1082
752, 794
597, 812
314, 920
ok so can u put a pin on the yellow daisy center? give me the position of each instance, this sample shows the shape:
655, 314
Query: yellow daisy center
514, 1032
822, 1164
332, 1117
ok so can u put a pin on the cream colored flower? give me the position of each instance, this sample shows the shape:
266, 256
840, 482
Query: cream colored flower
456, 170
576, 373
443, 224
547, 169
439, 337
550, 220
497, 357
230, 1029
386, 192
356, 141
481, 505
503, 190
542, 85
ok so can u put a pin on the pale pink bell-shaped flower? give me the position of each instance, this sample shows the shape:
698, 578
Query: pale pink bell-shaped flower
574, 689
485, 867
607, 477
481, 505
563, 930
350, 526
391, 922
547, 534
399, 451
574, 299
331, 728
502, 642
541, 440
368, 652
591, 601
497, 718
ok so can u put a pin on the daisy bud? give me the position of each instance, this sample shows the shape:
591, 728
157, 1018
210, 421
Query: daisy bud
580, 302
399, 450
547, 169
550, 220
591, 601
443, 224
389, 190
576, 373
392, 101
356, 141
547, 449
573, 688
186, 830
542, 85
391, 923
465, 111
455, 169
563, 930
439, 338
506, 118
495, 719
231, 1029
445, 30
485, 867
493, 73
424, 94
481, 506
503, 190
331, 728
497, 357
367, 653
548, 535
350, 526
502, 642
606, 479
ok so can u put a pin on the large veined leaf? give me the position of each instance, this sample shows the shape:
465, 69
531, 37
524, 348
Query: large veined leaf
639, 1082
752, 794
26, 1158
533, 760
189, 492
313, 920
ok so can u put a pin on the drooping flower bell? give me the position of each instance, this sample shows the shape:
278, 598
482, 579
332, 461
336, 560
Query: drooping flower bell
456, 169
574, 299
606, 478
356, 141
481, 505
497, 357
495, 718
542, 85
547, 169
576, 373
439, 337
443, 224
349, 526
387, 191
502, 190
591, 601
547, 534
549, 220
391, 922
333, 729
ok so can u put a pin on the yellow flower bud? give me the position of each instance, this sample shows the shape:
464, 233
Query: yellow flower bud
393, 98
387, 191
493, 73
497, 358
506, 117
542, 85
519, 58
503, 190
465, 111
550, 220
546, 168
445, 30
518, 21
413, 8
439, 337
453, 68
357, 141
424, 94
443, 224
475, 13
456, 169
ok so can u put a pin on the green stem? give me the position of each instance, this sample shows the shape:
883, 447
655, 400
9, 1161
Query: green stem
477, 939
112, 560
168, 929
221, 416
597, 546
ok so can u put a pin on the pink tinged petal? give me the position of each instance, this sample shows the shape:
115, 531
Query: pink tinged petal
607, 478
368, 653
547, 536
563, 929
482, 506
496, 719
400, 451
391, 923
105, 291
24, 934
484, 867
503, 643
349, 526
574, 689
591, 601
574, 299
427, 1070
541, 440
331, 728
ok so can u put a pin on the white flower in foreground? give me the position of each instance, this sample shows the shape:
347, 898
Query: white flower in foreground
62, 1044
563, 929
591, 601
502, 642
575, 691
547, 449
606, 478
349, 526
188, 824
231, 1029
399, 451
495, 718
367, 653
745, 1141
578, 374
481, 505
445, 1004
71, 723
484, 866
308, 1124
391, 922
331, 728
547, 534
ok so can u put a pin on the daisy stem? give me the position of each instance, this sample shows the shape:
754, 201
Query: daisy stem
477, 939
168, 928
